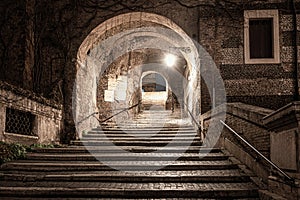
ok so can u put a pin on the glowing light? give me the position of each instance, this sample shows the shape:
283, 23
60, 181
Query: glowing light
170, 60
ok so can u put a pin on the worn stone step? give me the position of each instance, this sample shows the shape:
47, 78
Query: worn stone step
25, 165
141, 126
231, 171
150, 116
84, 183
142, 131
138, 135
165, 121
137, 149
74, 198
135, 143
126, 156
209, 176
117, 139
134, 190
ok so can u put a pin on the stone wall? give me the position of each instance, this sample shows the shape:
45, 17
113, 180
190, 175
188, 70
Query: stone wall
271, 133
246, 120
265, 85
47, 123
127, 65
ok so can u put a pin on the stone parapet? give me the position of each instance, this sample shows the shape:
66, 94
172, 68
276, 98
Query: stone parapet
45, 120
273, 133
284, 125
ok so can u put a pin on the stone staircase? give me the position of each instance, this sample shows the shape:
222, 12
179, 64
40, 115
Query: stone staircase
157, 155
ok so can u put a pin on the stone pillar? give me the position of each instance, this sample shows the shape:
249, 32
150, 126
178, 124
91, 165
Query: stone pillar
284, 125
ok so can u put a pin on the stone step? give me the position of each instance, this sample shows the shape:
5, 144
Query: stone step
47, 166
91, 198
208, 176
135, 143
138, 125
130, 135
132, 190
159, 121
126, 156
140, 138
140, 134
137, 149
142, 130
152, 115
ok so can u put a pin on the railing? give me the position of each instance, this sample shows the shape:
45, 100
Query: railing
123, 110
94, 113
194, 119
87, 117
290, 179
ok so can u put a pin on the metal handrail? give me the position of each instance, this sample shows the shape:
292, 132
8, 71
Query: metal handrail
125, 109
260, 154
87, 117
94, 113
193, 118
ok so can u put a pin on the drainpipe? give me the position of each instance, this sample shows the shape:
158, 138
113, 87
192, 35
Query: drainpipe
295, 38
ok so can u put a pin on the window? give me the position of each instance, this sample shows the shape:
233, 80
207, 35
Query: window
261, 34
19, 122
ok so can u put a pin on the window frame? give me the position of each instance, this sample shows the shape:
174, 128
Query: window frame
261, 14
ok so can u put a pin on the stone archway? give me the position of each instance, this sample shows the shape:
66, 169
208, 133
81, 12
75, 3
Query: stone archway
99, 50
156, 82
152, 95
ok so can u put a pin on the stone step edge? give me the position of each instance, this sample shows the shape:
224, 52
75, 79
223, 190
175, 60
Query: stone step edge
120, 192
60, 168
131, 138
141, 130
137, 135
217, 178
126, 156
87, 149
125, 142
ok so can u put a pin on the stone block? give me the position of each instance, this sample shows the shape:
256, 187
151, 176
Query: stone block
283, 149
284, 124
